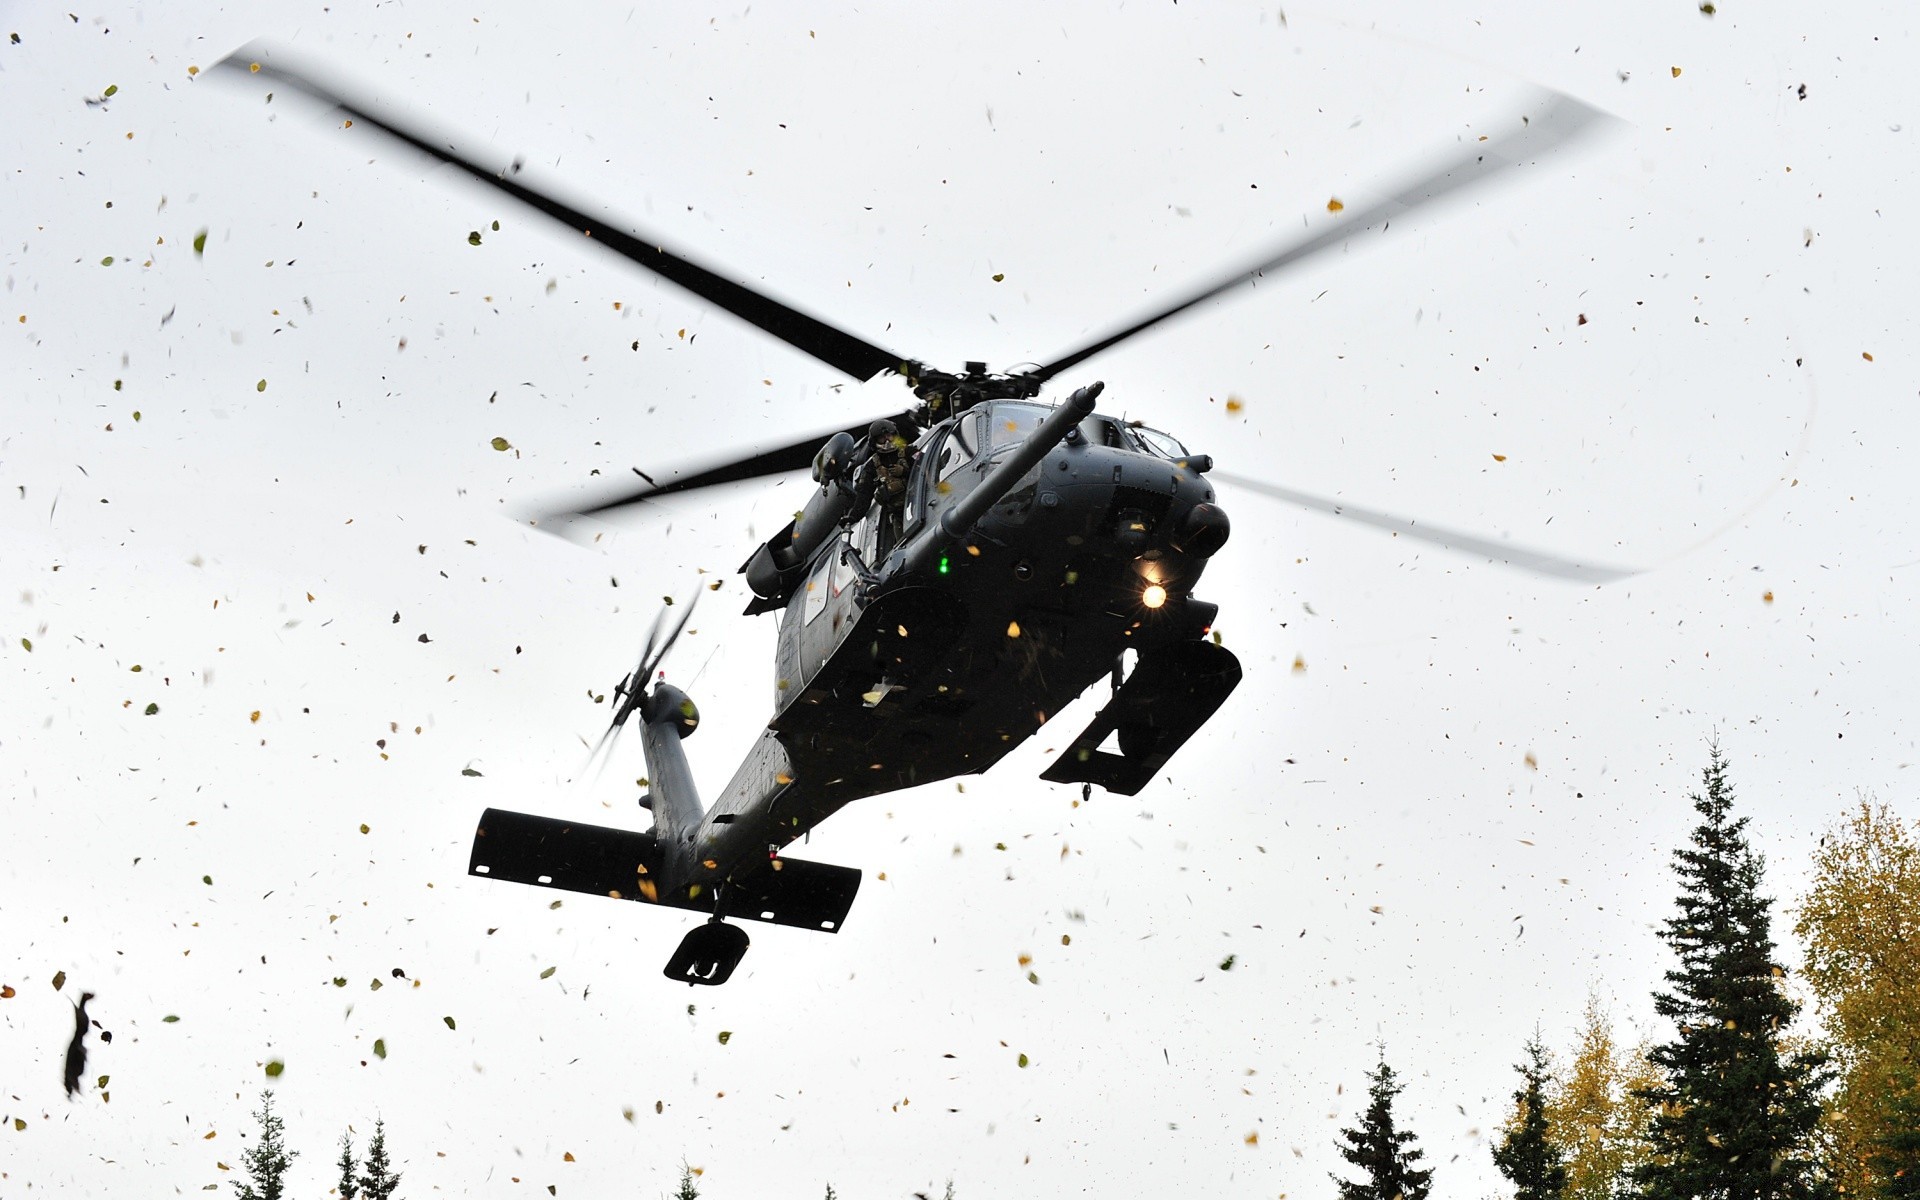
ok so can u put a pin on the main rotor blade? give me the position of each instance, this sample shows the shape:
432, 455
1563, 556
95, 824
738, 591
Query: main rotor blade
796, 455
831, 345
1563, 119
1536, 561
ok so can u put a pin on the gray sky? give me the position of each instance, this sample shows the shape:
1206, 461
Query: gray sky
1437, 814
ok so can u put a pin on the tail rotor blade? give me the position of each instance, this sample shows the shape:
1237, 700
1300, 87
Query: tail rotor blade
653, 659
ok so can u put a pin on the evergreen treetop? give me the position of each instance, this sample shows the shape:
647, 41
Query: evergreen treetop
1733, 1116
378, 1179
1526, 1155
267, 1161
1385, 1154
348, 1187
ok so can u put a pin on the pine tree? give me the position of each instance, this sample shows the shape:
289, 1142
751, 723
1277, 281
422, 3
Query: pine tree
1386, 1155
1526, 1155
688, 1191
1895, 1158
378, 1179
268, 1160
1734, 1116
347, 1188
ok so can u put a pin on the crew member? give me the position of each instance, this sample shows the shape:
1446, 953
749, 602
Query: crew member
889, 465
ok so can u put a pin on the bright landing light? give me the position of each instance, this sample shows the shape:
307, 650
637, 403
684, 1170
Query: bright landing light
1154, 596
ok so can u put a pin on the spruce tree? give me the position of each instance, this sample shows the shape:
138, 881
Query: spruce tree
378, 1179
1526, 1156
1385, 1154
1734, 1115
1896, 1157
687, 1190
267, 1161
348, 1187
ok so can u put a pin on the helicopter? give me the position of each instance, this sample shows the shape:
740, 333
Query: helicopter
963, 570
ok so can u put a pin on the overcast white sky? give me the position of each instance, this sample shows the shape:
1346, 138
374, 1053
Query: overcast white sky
1437, 814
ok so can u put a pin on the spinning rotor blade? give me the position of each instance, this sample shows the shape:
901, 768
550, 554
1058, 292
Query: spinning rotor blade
650, 661
1563, 119
1536, 561
796, 455
634, 688
835, 347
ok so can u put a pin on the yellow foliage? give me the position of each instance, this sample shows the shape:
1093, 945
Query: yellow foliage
1592, 1115
1860, 923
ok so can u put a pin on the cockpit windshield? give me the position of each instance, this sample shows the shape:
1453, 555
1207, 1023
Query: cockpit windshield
1165, 445
1007, 423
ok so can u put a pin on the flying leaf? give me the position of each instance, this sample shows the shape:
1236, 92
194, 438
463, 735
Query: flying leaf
1023, 1060
469, 772
501, 443
726, 1035
473, 237
548, 973
380, 1048
59, 980
274, 1067
200, 242
153, 709
449, 1021
1333, 204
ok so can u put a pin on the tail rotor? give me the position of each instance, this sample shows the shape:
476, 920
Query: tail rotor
631, 692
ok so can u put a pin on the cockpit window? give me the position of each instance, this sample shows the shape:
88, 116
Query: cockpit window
1102, 431
1162, 444
1009, 423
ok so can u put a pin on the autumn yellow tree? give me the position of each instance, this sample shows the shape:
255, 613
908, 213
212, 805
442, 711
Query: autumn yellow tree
1860, 923
1593, 1116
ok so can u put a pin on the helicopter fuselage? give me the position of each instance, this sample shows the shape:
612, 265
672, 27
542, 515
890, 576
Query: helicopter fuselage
905, 664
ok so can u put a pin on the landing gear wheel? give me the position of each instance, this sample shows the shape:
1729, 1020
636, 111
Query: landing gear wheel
708, 954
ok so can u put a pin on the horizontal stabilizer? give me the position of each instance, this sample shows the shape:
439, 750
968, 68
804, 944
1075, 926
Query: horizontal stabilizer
625, 864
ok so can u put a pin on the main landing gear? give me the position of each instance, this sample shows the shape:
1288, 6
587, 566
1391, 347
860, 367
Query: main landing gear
708, 954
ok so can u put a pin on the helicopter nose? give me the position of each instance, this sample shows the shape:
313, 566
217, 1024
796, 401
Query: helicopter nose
1202, 531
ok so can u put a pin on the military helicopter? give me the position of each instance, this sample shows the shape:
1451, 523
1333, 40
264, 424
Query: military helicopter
962, 571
